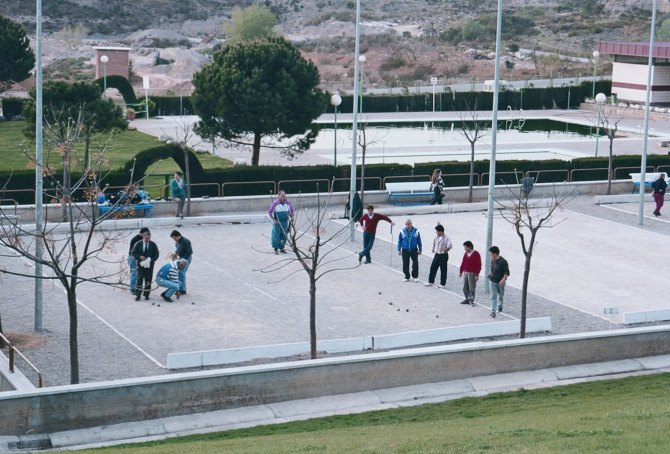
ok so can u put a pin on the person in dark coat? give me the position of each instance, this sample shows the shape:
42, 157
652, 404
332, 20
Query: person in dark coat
659, 193
132, 264
184, 251
145, 253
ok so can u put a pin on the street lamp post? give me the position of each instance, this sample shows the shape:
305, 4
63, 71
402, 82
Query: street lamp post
596, 54
104, 59
362, 60
39, 177
600, 99
335, 100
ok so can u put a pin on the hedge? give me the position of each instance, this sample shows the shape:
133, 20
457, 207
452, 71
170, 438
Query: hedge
169, 105
120, 83
12, 107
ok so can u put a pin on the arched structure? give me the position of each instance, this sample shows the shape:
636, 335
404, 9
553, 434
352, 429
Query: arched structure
145, 158
120, 83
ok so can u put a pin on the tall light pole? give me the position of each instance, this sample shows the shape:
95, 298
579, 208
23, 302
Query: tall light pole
643, 164
492, 167
104, 59
335, 100
38, 168
569, 86
362, 60
354, 128
596, 54
600, 99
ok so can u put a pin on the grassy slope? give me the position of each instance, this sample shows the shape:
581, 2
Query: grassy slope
122, 148
625, 416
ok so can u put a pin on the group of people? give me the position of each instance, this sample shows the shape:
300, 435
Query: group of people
143, 255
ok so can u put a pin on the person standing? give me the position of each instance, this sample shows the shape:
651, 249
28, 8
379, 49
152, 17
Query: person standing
185, 252
281, 213
436, 185
471, 266
497, 277
659, 193
369, 223
409, 246
168, 277
145, 253
441, 246
132, 263
178, 189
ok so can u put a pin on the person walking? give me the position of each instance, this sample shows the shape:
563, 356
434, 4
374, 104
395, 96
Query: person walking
471, 266
168, 277
409, 246
659, 193
281, 213
145, 253
369, 223
441, 246
497, 277
436, 185
178, 190
185, 252
132, 263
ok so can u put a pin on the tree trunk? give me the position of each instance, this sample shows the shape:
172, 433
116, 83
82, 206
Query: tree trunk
2, 342
255, 156
312, 314
74, 349
472, 170
363, 179
609, 169
188, 182
524, 286
87, 147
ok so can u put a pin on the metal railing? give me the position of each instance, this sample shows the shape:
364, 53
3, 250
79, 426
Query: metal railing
476, 178
572, 172
658, 169
538, 172
231, 183
317, 180
630, 168
403, 178
218, 188
481, 180
16, 204
378, 179
13, 350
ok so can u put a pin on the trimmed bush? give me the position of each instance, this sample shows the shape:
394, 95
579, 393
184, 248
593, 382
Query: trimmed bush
12, 107
169, 105
120, 83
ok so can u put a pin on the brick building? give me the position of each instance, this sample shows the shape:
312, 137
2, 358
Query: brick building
629, 71
117, 64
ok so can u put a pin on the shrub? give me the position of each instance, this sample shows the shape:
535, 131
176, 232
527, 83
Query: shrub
12, 107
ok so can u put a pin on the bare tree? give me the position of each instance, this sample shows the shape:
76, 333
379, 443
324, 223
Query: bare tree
609, 125
473, 129
74, 241
306, 237
528, 217
364, 140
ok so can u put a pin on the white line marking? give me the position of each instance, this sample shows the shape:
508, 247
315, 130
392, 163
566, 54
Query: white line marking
631, 212
617, 223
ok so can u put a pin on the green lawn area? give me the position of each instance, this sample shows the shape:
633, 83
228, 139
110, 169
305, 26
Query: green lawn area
122, 148
629, 415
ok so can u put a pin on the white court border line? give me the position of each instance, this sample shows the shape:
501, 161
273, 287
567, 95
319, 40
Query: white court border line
631, 212
154, 360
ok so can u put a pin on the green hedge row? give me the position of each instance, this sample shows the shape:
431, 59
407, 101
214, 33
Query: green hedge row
527, 98
169, 105
120, 83
12, 107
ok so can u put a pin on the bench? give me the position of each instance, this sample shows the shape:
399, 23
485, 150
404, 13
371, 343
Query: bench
408, 189
649, 178
142, 206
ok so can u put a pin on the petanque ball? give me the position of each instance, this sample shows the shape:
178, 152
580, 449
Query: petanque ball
407, 310
192, 302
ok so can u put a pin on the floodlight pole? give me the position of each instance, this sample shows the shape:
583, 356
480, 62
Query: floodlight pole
492, 168
354, 131
38, 168
643, 164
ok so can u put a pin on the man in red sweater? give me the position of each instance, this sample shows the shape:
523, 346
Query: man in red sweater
471, 266
369, 223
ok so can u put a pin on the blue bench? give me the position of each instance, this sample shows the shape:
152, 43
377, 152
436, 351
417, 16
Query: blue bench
649, 177
143, 206
409, 189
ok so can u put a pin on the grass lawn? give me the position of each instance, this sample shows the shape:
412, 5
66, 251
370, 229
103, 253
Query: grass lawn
630, 415
122, 148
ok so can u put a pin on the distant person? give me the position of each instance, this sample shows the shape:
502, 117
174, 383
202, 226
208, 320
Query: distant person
659, 193
168, 277
132, 263
369, 223
471, 266
184, 251
178, 190
441, 246
497, 277
281, 213
409, 246
145, 253
436, 185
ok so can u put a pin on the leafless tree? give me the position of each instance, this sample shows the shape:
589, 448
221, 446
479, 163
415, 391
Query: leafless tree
528, 217
307, 237
75, 240
473, 129
365, 140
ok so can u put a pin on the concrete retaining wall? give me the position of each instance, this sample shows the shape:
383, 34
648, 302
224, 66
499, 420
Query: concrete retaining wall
11, 381
203, 207
90, 405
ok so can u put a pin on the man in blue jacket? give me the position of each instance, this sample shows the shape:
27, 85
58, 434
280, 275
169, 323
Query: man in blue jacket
178, 189
409, 246
168, 277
